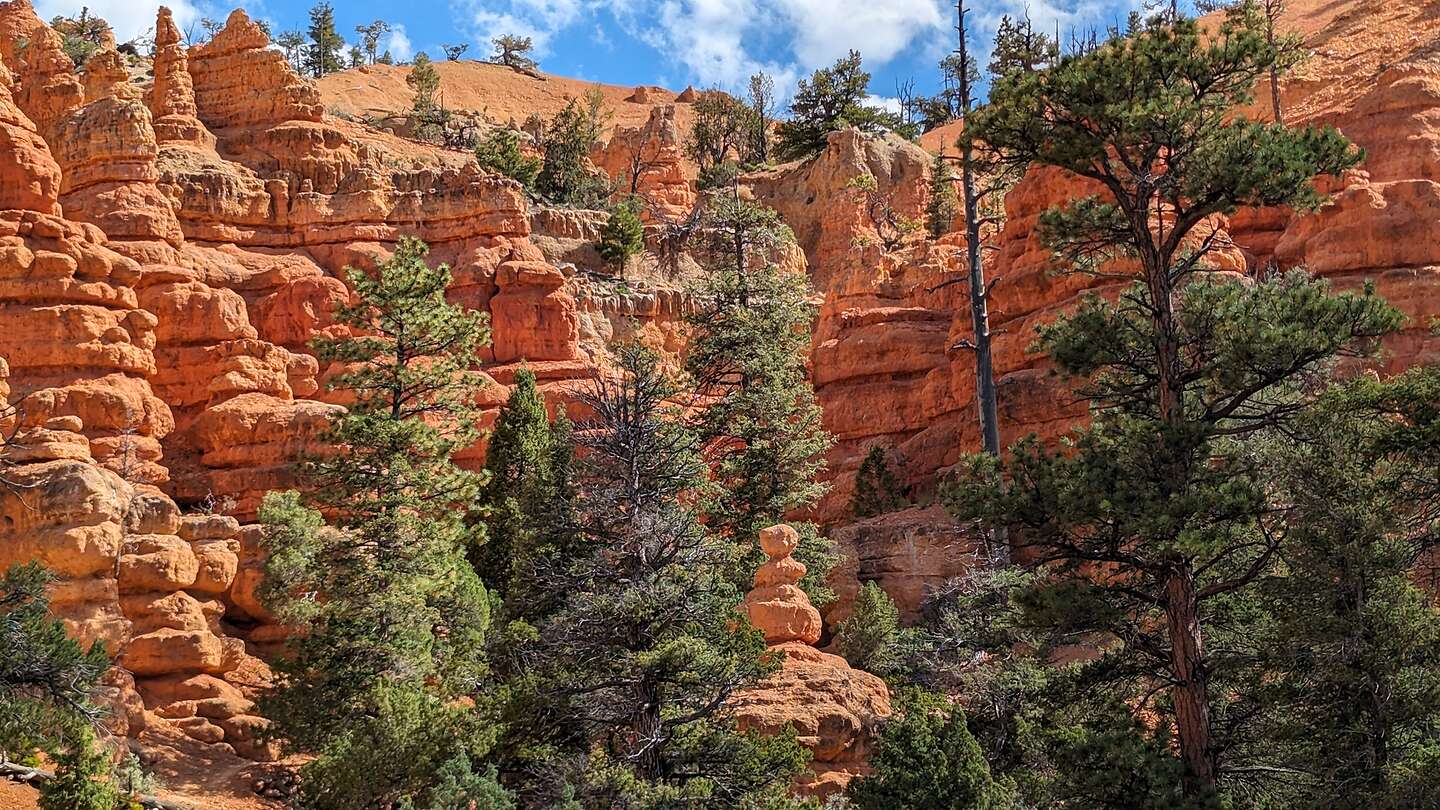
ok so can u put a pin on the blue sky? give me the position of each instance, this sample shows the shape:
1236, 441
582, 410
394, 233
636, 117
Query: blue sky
667, 42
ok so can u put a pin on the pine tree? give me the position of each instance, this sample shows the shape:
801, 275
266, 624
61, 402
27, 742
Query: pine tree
370, 36
870, 638
522, 502
943, 204
622, 236
1264, 15
424, 107
293, 44
82, 35
761, 426
424, 80
514, 52
831, 99
324, 54
1159, 491
1018, 46
876, 490
82, 777
720, 132
987, 397
565, 176
500, 152
46, 677
390, 619
1348, 648
762, 115
625, 683
925, 759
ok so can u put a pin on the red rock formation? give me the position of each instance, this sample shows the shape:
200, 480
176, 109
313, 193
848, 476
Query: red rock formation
172, 96
240, 82
907, 553
833, 708
650, 159
133, 574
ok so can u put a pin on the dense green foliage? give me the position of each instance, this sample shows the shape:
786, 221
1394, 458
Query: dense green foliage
82, 777
831, 99
391, 621
324, 53
876, 490
564, 176
943, 204
623, 235
926, 759
526, 501
500, 152
1349, 689
760, 428
619, 702
1190, 375
870, 638
46, 677
81, 36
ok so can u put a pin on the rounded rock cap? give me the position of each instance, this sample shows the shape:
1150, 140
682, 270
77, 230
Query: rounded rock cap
779, 541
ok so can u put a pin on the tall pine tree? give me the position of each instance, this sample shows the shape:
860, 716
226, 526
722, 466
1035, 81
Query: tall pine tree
1183, 369
526, 502
622, 699
326, 51
368, 566
1347, 681
760, 424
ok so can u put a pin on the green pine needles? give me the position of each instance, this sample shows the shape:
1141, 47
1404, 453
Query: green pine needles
1191, 375
620, 701
761, 426
876, 489
368, 566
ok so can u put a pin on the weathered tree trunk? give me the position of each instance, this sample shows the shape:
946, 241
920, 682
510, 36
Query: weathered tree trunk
986, 398
1191, 691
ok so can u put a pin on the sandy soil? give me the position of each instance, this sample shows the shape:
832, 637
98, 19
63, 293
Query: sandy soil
495, 90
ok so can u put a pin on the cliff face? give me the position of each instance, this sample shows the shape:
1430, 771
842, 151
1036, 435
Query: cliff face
166, 255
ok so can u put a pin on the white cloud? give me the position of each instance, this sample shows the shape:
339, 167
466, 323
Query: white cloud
538, 19
884, 102
824, 30
397, 43
129, 18
720, 42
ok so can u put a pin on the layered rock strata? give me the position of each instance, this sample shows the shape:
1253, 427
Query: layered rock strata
85, 470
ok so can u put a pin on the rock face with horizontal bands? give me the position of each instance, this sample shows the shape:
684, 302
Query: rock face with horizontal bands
159, 330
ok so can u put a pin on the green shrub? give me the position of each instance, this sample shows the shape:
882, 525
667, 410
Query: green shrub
926, 759
876, 490
500, 152
870, 638
82, 774
623, 235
